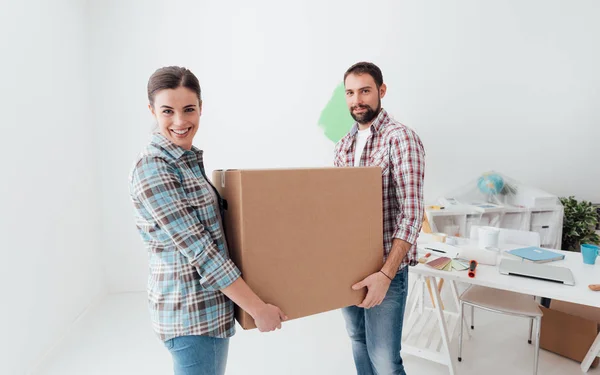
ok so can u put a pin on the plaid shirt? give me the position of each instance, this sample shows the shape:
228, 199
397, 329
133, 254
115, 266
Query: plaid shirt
176, 216
401, 156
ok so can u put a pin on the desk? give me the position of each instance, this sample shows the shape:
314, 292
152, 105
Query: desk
489, 276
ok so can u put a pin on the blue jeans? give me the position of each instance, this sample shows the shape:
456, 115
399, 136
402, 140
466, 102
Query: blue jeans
198, 355
376, 333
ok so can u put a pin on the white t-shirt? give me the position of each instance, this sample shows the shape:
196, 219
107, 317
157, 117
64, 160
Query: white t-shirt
361, 142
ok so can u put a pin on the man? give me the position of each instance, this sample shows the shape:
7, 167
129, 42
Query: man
375, 326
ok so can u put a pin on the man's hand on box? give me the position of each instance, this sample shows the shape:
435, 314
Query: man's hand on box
377, 286
269, 318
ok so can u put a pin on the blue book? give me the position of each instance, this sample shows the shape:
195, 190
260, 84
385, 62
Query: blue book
536, 254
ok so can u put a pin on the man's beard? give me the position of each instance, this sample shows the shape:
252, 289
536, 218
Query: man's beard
367, 116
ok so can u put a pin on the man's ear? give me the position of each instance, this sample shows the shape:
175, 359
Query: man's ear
382, 90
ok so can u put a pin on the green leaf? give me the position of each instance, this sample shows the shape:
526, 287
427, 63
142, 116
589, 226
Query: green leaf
579, 222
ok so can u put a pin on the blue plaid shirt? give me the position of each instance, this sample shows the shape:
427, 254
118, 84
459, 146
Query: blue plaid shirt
176, 215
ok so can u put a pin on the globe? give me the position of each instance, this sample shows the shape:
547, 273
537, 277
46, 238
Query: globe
490, 183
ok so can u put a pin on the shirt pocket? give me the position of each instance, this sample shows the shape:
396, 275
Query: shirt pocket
197, 193
381, 158
340, 160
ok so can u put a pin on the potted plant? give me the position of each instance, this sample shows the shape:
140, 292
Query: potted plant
579, 224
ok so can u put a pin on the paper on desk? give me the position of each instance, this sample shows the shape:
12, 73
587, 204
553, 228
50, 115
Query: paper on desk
458, 265
443, 249
447, 264
440, 263
489, 257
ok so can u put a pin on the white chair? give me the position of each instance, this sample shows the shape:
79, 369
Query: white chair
503, 301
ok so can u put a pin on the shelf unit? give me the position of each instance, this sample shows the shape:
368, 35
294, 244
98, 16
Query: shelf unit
457, 221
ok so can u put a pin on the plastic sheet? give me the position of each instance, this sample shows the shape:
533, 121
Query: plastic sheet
496, 200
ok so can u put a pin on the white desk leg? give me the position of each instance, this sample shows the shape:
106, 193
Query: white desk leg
591, 354
442, 323
417, 293
455, 295
411, 290
422, 296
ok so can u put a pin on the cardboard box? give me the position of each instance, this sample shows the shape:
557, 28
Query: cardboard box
569, 329
303, 237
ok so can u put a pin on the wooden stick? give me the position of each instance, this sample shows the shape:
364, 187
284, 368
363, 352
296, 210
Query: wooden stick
430, 291
426, 227
440, 285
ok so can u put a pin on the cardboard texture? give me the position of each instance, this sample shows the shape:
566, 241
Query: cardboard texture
582, 311
569, 329
303, 237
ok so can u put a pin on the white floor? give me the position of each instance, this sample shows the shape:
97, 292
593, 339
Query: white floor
116, 338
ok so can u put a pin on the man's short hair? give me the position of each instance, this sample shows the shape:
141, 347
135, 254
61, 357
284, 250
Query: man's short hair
366, 68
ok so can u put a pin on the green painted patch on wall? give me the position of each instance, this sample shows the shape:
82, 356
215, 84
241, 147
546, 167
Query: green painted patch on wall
335, 119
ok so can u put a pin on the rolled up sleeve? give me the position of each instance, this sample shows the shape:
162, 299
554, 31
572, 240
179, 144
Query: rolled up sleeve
408, 159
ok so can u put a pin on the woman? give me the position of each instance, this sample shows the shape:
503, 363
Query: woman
192, 280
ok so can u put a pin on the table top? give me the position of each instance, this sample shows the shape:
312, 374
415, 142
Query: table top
584, 274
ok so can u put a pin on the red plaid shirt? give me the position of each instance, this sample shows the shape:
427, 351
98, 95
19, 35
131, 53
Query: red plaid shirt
399, 152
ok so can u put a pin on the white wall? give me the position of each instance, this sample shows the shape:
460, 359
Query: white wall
49, 272
510, 86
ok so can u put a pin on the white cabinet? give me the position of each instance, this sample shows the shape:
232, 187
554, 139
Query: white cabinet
547, 221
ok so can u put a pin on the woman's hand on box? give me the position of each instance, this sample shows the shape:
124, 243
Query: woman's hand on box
269, 318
